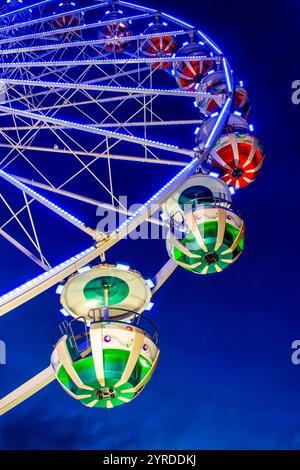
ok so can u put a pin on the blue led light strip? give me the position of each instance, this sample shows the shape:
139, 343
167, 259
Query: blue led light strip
221, 121
136, 7
75, 63
50, 205
228, 75
51, 17
158, 198
109, 88
177, 21
210, 42
27, 7
40, 283
53, 32
89, 42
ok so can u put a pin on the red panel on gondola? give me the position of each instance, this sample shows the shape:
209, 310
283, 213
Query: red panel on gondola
67, 20
161, 46
239, 158
241, 101
189, 73
117, 30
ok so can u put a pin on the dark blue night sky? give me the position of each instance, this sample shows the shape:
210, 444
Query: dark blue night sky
225, 379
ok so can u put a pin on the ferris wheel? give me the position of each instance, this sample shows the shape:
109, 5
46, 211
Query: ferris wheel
87, 93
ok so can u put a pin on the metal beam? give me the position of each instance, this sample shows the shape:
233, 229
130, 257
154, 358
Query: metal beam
81, 198
27, 7
163, 275
89, 42
97, 131
50, 205
50, 17
192, 122
155, 161
82, 27
29, 388
110, 88
23, 250
86, 62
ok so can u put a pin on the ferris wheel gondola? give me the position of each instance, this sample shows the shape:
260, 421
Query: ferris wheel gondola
206, 232
160, 46
66, 18
107, 363
189, 72
237, 156
215, 83
115, 29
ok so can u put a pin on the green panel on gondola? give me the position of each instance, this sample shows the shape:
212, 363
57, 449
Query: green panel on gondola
115, 361
211, 258
118, 290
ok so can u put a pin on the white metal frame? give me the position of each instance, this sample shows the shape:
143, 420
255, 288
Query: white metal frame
40, 81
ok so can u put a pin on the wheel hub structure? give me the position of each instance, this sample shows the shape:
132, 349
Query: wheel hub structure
99, 102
